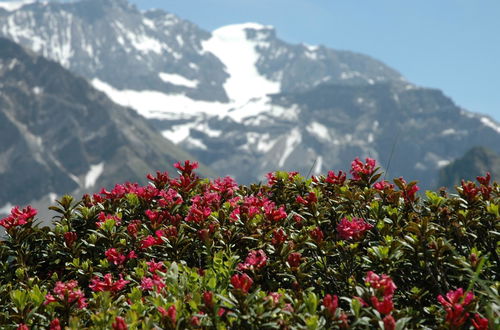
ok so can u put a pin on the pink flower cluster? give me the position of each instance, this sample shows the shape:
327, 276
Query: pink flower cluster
241, 282
455, 304
361, 170
66, 293
107, 284
18, 217
384, 288
255, 260
354, 229
117, 258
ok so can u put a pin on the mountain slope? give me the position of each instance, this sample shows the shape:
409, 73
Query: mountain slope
59, 134
246, 102
475, 162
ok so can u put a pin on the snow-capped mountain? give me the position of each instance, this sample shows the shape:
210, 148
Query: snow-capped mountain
59, 135
246, 102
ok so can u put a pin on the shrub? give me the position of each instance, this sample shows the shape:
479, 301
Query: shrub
306, 253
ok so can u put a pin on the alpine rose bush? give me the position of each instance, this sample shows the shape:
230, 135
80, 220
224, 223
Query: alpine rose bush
325, 252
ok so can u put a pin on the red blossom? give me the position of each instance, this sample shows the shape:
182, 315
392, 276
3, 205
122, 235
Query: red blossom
254, 260
454, 304
224, 186
383, 283
133, 227
317, 235
360, 170
331, 304
107, 283
119, 324
469, 190
66, 293
241, 282
70, 237
484, 180
383, 185
55, 324
187, 168
384, 306
22, 326
160, 180
279, 237
208, 297
389, 322
114, 256
338, 179
294, 259
354, 229
479, 322
150, 283
18, 217
172, 314
154, 266
272, 213
274, 297
103, 217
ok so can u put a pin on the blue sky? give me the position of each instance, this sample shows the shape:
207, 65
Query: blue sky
453, 45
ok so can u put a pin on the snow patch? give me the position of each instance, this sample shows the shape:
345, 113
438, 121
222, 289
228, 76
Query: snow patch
196, 143
442, 163
37, 90
178, 80
178, 133
318, 130
154, 104
490, 123
231, 45
449, 131
93, 174
291, 142
15, 5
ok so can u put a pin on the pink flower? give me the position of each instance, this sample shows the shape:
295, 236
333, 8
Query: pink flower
354, 229
385, 306
55, 324
18, 218
22, 326
66, 293
172, 314
274, 297
107, 284
382, 185
241, 282
389, 322
479, 322
469, 190
187, 168
119, 324
317, 235
383, 284
454, 305
279, 237
208, 299
272, 213
70, 237
254, 260
114, 256
294, 259
335, 179
149, 283
360, 170
153, 266
331, 304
